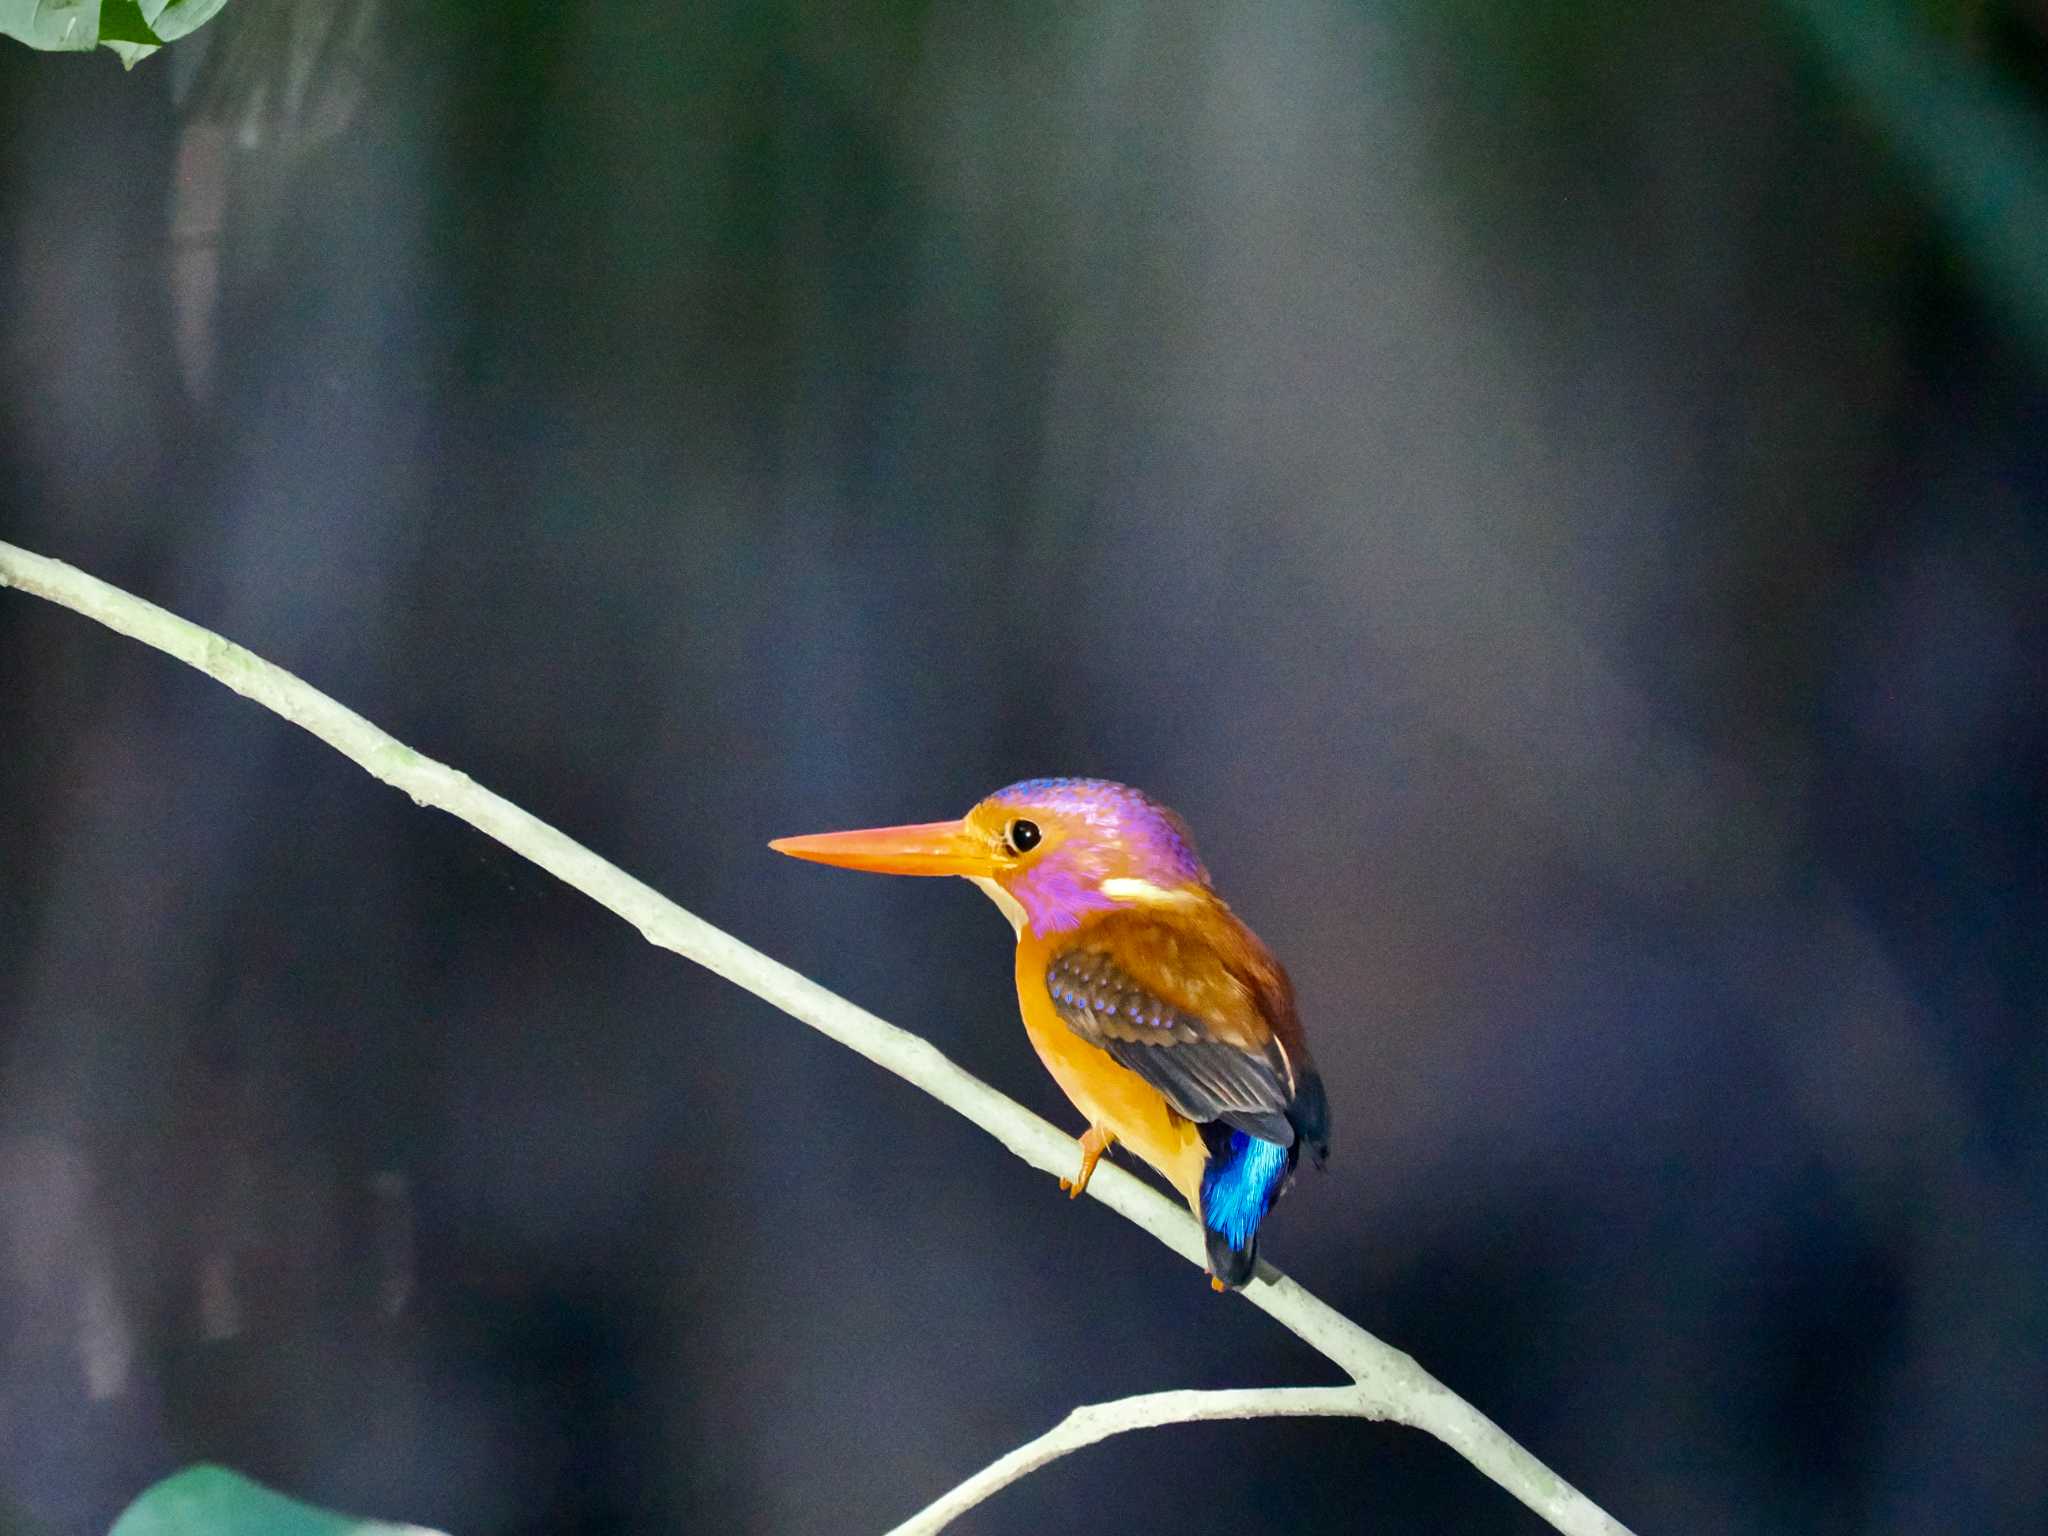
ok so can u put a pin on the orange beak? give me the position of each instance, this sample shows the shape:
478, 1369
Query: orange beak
928, 848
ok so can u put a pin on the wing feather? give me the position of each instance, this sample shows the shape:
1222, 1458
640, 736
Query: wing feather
1166, 1003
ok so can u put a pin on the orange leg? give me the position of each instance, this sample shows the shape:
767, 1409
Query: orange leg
1094, 1142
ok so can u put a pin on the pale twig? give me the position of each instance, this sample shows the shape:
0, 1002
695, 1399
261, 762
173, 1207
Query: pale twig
1098, 1421
1387, 1384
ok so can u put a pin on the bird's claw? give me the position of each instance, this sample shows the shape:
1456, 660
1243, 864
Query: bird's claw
1094, 1142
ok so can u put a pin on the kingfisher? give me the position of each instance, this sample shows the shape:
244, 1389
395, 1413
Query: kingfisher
1161, 1016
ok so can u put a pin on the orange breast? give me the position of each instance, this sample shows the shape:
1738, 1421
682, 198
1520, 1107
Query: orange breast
1109, 1094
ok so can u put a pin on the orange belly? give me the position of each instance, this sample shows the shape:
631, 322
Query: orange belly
1110, 1094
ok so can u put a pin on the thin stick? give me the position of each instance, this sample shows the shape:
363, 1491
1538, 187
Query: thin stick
1098, 1421
1388, 1384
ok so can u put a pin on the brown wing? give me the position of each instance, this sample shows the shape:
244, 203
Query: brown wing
1184, 1001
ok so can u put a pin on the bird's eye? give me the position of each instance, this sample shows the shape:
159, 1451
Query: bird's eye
1022, 836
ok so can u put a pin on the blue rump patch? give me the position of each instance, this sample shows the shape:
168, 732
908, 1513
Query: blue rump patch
1238, 1187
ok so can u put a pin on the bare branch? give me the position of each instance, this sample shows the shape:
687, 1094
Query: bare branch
1388, 1383
1098, 1421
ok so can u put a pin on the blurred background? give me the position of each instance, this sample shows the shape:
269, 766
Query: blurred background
1554, 494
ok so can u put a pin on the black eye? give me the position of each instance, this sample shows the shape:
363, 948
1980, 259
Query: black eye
1023, 835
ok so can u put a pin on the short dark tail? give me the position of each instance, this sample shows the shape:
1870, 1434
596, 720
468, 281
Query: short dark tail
1243, 1178
1309, 1113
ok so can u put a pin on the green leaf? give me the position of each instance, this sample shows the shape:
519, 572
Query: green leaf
173, 20
52, 23
123, 29
212, 1501
133, 29
121, 22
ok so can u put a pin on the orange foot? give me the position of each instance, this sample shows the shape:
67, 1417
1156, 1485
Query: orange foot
1217, 1285
1094, 1142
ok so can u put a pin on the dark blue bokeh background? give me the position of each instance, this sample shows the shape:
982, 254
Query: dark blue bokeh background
1556, 498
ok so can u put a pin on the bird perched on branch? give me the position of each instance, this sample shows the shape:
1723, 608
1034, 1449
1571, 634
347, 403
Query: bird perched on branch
1159, 1013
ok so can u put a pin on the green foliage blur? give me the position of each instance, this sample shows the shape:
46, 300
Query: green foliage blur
131, 29
212, 1501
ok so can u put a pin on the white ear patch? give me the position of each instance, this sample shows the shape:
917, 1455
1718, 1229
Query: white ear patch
1123, 888
1012, 908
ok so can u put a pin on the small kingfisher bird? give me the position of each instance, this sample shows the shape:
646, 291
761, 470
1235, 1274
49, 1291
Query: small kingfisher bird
1156, 1010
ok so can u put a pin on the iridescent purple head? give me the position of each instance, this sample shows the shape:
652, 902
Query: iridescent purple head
1049, 851
1079, 846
